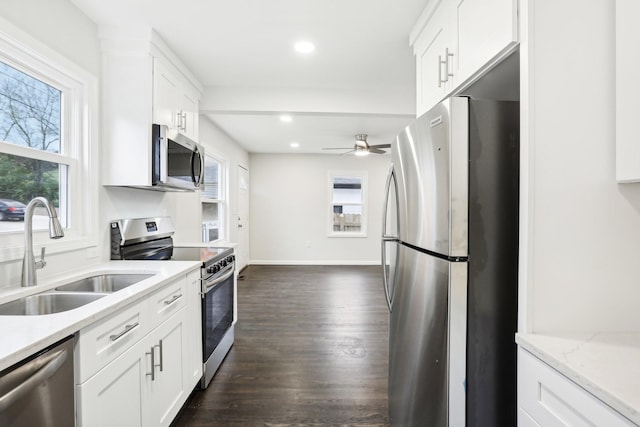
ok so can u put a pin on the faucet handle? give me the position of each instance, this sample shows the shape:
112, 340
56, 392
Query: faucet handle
42, 262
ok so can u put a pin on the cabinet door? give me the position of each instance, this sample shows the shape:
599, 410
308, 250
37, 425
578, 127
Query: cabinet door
193, 349
432, 71
548, 398
166, 391
482, 30
165, 88
113, 397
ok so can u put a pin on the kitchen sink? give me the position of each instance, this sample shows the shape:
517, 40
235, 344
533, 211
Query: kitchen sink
47, 303
104, 283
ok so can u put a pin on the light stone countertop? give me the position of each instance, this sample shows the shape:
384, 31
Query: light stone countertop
22, 336
606, 364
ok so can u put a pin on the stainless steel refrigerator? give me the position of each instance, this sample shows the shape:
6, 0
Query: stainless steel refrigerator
450, 265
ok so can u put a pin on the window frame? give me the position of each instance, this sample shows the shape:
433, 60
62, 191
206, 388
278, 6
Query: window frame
363, 176
221, 201
78, 133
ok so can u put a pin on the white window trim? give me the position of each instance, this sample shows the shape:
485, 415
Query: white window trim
363, 175
80, 99
223, 190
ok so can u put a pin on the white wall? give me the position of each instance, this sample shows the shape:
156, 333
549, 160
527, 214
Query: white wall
60, 25
186, 207
290, 205
582, 239
62, 28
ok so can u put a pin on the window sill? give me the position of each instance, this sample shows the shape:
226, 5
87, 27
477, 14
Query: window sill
347, 234
67, 244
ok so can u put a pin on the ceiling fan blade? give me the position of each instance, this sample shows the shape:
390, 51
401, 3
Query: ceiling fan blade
376, 151
350, 151
380, 146
337, 148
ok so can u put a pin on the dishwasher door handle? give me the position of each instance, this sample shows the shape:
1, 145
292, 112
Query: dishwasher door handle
41, 375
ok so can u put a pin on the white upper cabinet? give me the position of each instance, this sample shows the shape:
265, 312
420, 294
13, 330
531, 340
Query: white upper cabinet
460, 40
627, 90
143, 83
174, 103
484, 30
434, 62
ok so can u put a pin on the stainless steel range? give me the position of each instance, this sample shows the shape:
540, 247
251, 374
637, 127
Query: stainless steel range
151, 239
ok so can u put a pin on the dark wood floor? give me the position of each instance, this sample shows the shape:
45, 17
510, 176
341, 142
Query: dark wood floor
310, 350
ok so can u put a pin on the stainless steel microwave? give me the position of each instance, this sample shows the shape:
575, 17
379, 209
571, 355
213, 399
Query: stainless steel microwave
178, 162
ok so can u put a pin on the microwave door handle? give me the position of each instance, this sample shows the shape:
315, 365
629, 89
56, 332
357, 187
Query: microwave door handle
197, 181
193, 172
201, 179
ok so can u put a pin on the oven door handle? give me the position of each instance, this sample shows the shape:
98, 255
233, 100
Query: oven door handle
206, 285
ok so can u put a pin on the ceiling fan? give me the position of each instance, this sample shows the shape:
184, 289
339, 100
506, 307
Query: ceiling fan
361, 148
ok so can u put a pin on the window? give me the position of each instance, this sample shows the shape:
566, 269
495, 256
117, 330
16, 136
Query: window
46, 105
213, 199
30, 119
348, 209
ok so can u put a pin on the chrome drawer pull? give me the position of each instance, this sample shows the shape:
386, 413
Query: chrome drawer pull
152, 374
173, 299
127, 328
161, 356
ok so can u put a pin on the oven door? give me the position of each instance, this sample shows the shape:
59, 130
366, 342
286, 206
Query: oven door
217, 320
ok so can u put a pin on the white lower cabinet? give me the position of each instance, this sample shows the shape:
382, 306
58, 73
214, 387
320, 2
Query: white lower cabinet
165, 389
546, 398
193, 366
145, 386
145, 379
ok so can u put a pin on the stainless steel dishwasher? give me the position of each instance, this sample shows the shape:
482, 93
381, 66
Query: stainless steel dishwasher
39, 391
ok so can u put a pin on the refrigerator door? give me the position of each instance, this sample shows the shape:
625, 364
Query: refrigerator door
427, 342
390, 230
431, 159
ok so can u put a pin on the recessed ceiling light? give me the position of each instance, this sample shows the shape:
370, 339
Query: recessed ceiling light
304, 47
294, 145
286, 118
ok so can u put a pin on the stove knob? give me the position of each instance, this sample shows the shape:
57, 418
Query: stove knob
223, 262
216, 268
209, 270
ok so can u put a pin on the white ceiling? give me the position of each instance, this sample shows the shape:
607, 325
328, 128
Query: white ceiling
360, 78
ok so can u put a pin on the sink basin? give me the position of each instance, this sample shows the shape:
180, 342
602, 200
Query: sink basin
104, 283
47, 303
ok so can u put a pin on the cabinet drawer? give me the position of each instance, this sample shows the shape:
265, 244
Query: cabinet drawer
103, 341
168, 300
548, 398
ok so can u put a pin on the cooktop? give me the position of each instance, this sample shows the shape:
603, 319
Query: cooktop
206, 254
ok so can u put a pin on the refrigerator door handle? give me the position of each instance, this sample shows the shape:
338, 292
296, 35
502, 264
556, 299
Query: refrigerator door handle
387, 188
386, 238
385, 283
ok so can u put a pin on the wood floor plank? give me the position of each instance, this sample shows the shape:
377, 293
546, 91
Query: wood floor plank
311, 349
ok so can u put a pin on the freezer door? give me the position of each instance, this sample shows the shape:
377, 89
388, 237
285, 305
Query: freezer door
390, 230
427, 342
431, 160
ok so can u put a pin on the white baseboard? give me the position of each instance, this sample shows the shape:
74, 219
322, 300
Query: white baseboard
309, 262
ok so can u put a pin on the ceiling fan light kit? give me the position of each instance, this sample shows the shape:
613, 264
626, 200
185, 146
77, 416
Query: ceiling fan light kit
362, 148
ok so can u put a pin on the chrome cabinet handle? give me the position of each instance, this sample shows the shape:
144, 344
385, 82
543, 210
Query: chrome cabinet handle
152, 374
126, 330
446, 64
161, 365
184, 125
173, 299
440, 62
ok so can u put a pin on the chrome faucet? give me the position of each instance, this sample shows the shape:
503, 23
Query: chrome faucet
29, 264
